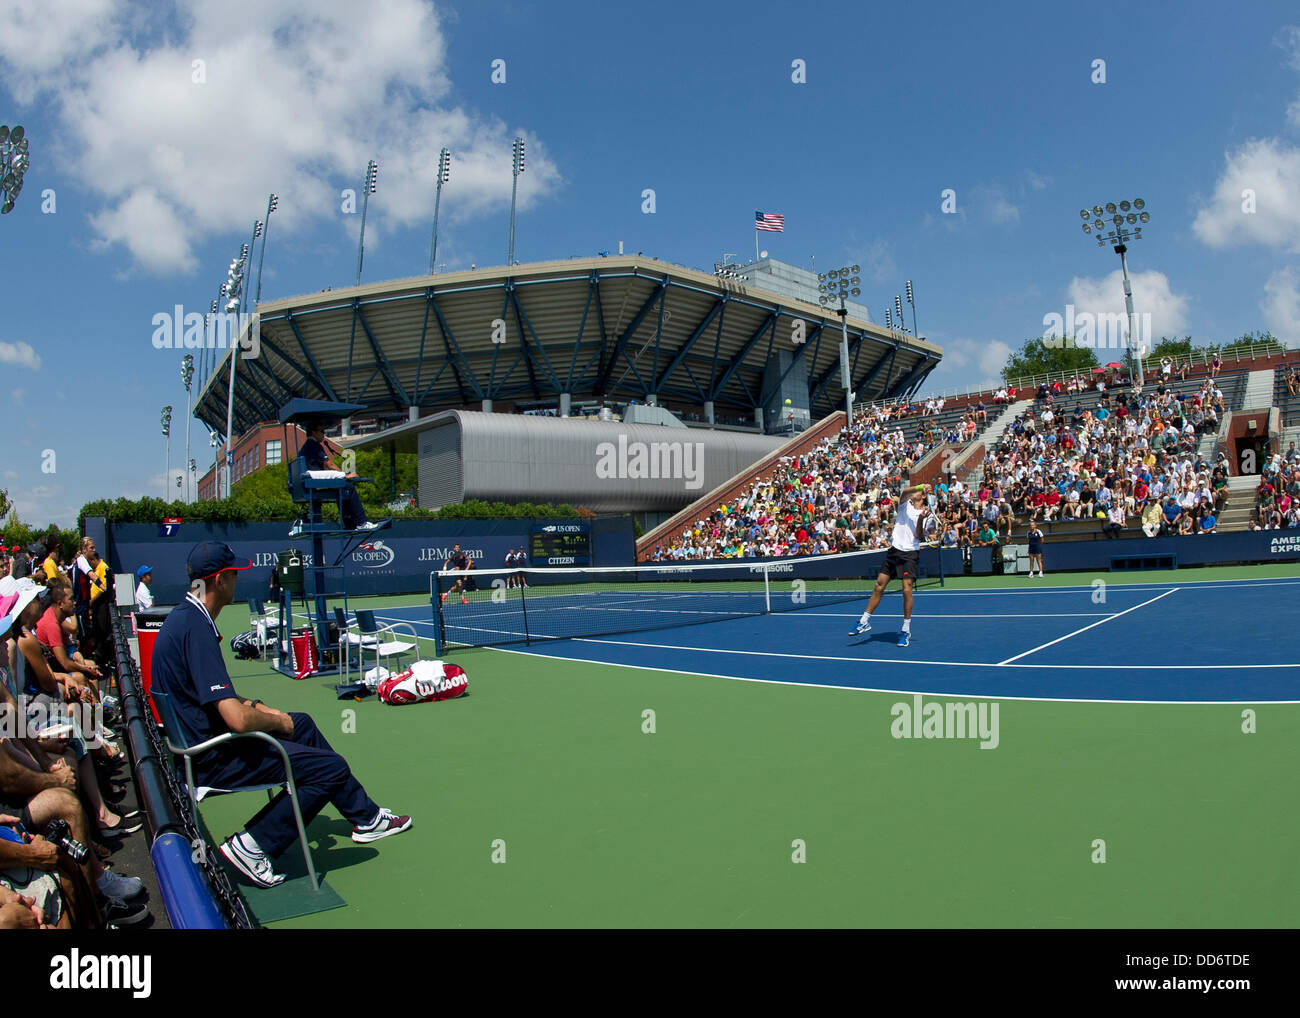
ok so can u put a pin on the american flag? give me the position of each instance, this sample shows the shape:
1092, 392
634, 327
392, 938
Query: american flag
772, 222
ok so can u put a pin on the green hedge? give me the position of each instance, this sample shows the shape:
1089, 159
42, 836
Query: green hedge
252, 509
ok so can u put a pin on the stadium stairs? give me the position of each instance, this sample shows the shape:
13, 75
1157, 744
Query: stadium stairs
827, 427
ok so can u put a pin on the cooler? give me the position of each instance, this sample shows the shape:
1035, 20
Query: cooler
303, 658
147, 624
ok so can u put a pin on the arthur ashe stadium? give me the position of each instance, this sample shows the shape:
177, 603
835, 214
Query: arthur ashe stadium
683, 706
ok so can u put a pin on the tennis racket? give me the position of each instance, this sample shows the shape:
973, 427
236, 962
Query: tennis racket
931, 530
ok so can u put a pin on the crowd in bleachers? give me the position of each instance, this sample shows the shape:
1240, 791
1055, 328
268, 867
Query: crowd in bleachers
1277, 497
1126, 456
59, 761
1087, 448
840, 496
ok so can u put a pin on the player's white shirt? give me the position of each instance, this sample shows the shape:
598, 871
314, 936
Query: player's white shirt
904, 536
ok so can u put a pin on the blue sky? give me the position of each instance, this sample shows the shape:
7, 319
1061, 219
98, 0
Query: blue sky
155, 178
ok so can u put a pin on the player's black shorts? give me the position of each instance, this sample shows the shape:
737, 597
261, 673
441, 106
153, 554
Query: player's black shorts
900, 564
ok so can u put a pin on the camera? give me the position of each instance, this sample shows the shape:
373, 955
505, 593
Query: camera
60, 834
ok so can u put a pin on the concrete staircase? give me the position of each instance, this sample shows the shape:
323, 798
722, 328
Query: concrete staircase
1259, 390
1241, 500
993, 433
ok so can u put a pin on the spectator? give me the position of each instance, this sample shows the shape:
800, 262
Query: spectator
317, 458
188, 667
1151, 517
1115, 520
144, 580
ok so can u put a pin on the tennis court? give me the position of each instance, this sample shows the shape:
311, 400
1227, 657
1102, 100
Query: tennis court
675, 776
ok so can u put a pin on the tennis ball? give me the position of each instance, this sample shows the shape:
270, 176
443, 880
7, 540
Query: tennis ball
788, 402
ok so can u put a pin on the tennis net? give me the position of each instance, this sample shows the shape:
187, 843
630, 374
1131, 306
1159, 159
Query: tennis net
488, 607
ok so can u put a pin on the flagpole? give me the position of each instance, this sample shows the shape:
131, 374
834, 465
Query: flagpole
756, 241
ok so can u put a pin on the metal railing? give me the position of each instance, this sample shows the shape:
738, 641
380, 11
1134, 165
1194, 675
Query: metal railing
1233, 356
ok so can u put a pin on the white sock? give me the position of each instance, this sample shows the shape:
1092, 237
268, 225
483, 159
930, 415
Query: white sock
907, 625
865, 620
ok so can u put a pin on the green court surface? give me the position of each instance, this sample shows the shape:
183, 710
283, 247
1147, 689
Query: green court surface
546, 763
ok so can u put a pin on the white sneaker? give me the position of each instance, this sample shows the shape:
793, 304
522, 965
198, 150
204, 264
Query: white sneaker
366, 526
385, 824
114, 885
254, 865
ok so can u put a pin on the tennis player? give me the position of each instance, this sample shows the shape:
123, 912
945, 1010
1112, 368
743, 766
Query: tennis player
458, 560
900, 562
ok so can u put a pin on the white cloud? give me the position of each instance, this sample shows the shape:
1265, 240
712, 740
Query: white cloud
298, 95
1151, 296
21, 354
1281, 305
17, 395
968, 364
994, 204
42, 35
1036, 181
1271, 170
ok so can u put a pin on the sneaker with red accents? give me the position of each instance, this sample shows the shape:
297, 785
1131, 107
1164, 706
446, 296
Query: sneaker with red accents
464, 599
383, 825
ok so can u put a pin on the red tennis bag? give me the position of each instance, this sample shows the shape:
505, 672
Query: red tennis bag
425, 681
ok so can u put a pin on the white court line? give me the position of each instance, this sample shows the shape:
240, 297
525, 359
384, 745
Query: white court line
912, 661
800, 613
874, 689
1067, 636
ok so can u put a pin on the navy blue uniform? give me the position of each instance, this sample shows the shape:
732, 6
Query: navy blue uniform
315, 455
189, 668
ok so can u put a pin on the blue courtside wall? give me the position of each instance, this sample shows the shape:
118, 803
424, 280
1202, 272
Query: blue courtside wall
1095, 554
398, 559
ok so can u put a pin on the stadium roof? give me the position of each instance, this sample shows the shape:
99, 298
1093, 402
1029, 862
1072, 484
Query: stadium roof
616, 328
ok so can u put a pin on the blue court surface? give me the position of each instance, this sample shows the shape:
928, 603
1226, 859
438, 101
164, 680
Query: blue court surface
1168, 642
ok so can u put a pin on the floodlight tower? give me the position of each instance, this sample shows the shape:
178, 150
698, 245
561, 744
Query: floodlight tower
517, 165
842, 284
444, 174
1124, 219
911, 300
167, 446
272, 203
187, 376
234, 290
367, 189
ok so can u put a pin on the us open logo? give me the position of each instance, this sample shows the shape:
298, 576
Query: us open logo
374, 555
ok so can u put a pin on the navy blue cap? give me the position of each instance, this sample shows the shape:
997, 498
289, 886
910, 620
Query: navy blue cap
209, 557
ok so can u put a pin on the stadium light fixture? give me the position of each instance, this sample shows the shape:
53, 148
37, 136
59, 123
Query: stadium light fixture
187, 377
1117, 233
517, 167
444, 174
14, 161
367, 189
911, 300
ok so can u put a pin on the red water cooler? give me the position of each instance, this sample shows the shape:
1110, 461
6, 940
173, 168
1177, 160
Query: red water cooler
147, 624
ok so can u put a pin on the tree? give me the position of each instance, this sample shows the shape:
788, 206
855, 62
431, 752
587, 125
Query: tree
1177, 350
1039, 358
1265, 339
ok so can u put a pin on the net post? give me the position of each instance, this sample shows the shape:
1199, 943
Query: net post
439, 637
767, 590
523, 604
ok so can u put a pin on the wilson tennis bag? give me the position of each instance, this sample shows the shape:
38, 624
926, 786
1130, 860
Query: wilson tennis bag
244, 645
425, 681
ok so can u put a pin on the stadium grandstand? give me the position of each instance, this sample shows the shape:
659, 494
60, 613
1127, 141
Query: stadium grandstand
617, 339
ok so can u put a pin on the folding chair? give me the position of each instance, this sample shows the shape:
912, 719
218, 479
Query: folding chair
171, 727
348, 639
263, 623
383, 648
